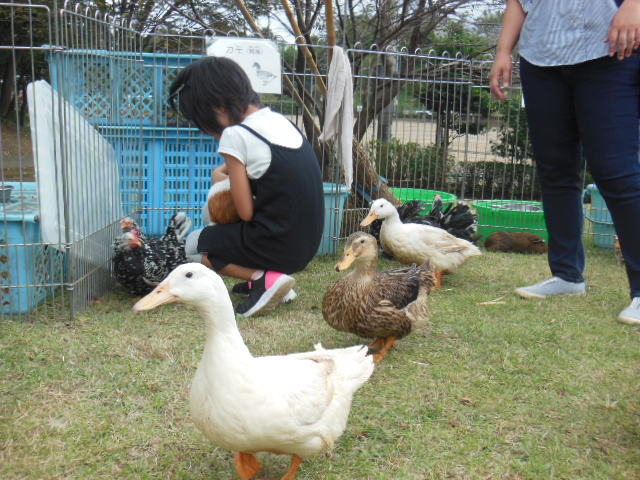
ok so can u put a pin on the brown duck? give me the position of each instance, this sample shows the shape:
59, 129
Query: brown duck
385, 305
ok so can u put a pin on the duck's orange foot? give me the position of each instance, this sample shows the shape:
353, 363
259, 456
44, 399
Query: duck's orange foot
247, 465
296, 461
386, 347
438, 280
377, 344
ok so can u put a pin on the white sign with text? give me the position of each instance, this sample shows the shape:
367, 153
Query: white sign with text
258, 57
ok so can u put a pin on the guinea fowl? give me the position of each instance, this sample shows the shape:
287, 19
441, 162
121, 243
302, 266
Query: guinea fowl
458, 220
140, 263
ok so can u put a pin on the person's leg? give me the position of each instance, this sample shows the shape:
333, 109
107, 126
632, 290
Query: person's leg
238, 271
225, 254
554, 136
608, 108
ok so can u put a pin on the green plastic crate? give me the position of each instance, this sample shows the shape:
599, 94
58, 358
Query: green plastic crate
510, 216
424, 196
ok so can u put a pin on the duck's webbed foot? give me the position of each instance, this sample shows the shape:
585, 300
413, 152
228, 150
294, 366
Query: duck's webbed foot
377, 344
296, 461
389, 342
247, 465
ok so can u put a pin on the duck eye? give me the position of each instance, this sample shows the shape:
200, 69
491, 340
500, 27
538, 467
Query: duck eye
188, 275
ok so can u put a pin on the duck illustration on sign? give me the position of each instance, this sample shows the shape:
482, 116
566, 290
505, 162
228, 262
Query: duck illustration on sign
264, 76
258, 57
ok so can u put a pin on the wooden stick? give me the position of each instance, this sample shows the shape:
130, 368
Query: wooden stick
331, 30
305, 111
300, 41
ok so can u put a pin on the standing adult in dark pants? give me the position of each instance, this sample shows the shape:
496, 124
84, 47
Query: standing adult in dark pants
580, 74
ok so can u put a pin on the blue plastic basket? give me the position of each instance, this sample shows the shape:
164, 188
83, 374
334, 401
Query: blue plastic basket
335, 197
163, 170
117, 87
29, 271
603, 229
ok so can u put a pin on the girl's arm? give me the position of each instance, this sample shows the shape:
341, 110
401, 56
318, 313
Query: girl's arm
624, 31
500, 76
240, 187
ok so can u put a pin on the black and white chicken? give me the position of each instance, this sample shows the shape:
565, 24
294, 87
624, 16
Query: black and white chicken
140, 263
457, 219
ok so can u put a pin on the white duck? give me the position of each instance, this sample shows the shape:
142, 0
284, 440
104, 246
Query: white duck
294, 404
417, 243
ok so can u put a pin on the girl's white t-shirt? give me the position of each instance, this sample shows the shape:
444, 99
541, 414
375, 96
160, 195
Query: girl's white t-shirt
249, 149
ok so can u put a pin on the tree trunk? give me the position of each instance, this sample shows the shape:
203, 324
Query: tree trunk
367, 177
8, 85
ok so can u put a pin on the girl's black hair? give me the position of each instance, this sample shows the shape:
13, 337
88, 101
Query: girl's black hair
212, 82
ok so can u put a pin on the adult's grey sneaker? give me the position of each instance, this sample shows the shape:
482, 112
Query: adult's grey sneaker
552, 287
631, 314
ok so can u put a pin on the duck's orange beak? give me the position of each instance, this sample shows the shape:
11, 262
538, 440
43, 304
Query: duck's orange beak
158, 296
345, 261
368, 219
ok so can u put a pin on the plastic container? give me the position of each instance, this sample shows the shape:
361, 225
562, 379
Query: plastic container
424, 196
335, 197
162, 171
5, 192
600, 218
510, 216
29, 272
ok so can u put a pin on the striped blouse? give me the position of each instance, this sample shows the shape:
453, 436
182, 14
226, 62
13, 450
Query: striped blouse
565, 32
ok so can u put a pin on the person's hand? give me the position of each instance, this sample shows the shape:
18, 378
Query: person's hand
624, 32
220, 173
500, 76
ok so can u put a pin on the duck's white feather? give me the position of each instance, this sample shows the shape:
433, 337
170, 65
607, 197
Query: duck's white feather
294, 404
417, 243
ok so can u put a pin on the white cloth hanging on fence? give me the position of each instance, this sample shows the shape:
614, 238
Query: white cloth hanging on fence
61, 136
338, 117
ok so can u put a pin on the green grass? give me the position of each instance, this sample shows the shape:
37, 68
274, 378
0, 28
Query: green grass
519, 390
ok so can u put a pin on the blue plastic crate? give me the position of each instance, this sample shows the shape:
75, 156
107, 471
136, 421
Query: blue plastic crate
29, 271
603, 229
163, 170
117, 87
335, 197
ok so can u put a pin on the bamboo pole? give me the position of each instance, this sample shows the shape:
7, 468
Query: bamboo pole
300, 41
305, 111
331, 29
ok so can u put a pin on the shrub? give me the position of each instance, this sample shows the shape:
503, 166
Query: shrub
410, 164
495, 180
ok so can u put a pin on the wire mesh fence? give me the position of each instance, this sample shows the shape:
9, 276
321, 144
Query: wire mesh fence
87, 138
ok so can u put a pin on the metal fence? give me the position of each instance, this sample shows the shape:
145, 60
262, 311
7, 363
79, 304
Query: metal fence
87, 138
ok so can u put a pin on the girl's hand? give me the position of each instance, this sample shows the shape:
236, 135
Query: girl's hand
219, 173
500, 76
624, 33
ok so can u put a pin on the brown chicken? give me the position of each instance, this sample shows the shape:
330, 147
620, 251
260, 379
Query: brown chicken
518, 242
221, 208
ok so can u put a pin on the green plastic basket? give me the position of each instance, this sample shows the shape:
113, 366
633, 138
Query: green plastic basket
510, 216
425, 196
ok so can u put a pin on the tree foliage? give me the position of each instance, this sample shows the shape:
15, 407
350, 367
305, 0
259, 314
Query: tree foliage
513, 137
